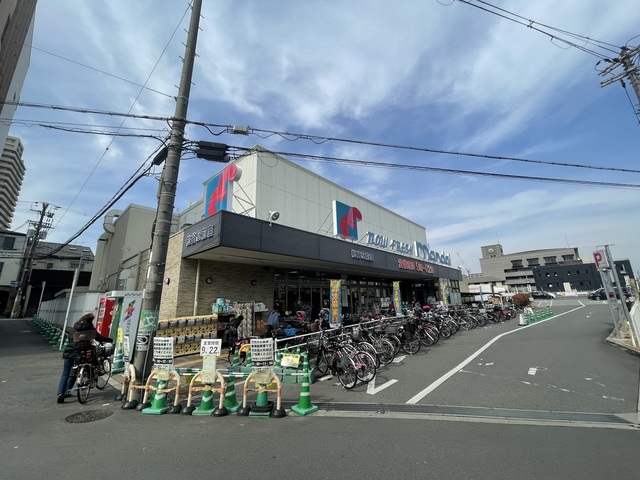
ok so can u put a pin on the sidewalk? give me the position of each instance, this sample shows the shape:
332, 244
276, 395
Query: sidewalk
623, 343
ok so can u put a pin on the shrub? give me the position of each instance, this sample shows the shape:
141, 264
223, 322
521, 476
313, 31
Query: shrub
521, 300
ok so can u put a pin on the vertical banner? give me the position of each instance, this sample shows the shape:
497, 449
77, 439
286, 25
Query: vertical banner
335, 296
397, 303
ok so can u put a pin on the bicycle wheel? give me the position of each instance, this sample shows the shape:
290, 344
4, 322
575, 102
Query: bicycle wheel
385, 351
395, 341
83, 384
347, 374
426, 338
320, 363
371, 350
411, 343
103, 379
365, 365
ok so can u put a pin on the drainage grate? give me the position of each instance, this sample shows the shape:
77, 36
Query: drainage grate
89, 416
478, 412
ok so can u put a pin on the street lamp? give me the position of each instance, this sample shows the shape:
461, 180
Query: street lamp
76, 274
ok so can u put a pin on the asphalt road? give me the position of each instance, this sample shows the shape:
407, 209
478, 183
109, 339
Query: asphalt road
560, 366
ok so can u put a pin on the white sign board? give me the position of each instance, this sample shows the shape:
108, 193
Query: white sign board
262, 354
210, 346
600, 257
163, 356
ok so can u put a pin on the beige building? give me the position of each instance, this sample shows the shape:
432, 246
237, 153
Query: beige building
267, 230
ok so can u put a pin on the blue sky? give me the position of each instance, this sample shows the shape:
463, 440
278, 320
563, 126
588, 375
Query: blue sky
420, 73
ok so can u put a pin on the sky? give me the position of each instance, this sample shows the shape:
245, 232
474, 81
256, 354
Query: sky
430, 75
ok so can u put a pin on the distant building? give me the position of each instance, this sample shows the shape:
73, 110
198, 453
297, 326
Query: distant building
16, 23
516, 269
578, 277
12, 171
48, 275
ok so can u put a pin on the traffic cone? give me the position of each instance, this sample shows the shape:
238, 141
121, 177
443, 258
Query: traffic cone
206, 405
159, 401
230, 400
118, 360
236, 359
248, 363
304, 406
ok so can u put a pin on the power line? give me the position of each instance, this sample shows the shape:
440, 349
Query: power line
369, 163
531, 24
292, 137
318, 139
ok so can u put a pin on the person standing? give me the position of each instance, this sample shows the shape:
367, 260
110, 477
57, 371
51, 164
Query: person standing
83, 333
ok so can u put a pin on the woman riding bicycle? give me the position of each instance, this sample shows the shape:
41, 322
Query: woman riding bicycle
84, 332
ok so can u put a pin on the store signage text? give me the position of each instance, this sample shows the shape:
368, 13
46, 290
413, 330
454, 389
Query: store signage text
360, 255
417, 249
423, 251
199, 235
386, 243
416, 266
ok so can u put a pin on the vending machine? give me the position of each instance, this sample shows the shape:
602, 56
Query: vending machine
118, 317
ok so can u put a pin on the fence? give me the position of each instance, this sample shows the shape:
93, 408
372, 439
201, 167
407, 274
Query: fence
55, 311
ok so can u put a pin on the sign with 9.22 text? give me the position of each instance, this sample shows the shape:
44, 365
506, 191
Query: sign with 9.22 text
210, 347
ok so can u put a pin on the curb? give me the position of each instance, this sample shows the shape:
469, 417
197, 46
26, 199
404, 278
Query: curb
623, 345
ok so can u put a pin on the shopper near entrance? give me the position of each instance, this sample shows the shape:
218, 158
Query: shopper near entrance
83, 333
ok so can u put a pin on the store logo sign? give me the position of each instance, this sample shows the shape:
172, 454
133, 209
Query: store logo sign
219, 190
345, 220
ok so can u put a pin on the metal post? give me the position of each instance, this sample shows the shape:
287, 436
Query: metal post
623, 299
76, 275
164, 214
41, 295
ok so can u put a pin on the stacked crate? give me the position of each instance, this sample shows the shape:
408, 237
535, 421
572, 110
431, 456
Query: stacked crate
187, 332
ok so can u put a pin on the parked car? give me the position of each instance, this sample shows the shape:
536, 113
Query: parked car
600, 294
542, 294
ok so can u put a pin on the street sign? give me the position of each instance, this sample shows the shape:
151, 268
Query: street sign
14, 283
600, 257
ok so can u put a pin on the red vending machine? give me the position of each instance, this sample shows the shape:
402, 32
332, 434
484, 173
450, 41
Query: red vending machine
106, 312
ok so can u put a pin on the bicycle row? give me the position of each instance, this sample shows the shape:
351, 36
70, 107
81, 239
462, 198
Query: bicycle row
355, 353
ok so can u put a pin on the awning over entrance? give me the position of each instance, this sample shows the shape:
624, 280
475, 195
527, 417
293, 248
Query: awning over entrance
229, 237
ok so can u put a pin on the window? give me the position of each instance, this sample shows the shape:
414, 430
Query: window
567, 257
50, 266
8, 243
516, 263
550, 260
533, 262
1, 267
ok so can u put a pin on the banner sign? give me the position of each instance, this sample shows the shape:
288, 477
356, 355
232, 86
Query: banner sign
397, 304
335, 296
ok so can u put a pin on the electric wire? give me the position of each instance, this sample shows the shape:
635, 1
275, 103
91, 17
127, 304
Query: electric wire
530, 24
369, 163
135, 101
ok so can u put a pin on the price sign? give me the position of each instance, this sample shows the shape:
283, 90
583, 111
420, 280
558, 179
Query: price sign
210, 346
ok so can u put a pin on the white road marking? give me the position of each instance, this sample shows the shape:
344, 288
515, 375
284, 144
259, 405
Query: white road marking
532, 371
420, 395
399, 359
372, 389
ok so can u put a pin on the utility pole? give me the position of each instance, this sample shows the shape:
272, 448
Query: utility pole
44, 222
164, 214
631, 71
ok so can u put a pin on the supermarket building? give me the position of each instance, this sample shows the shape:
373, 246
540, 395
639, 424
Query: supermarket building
268, 231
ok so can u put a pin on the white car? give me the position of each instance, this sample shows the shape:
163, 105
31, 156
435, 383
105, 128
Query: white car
541, 294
